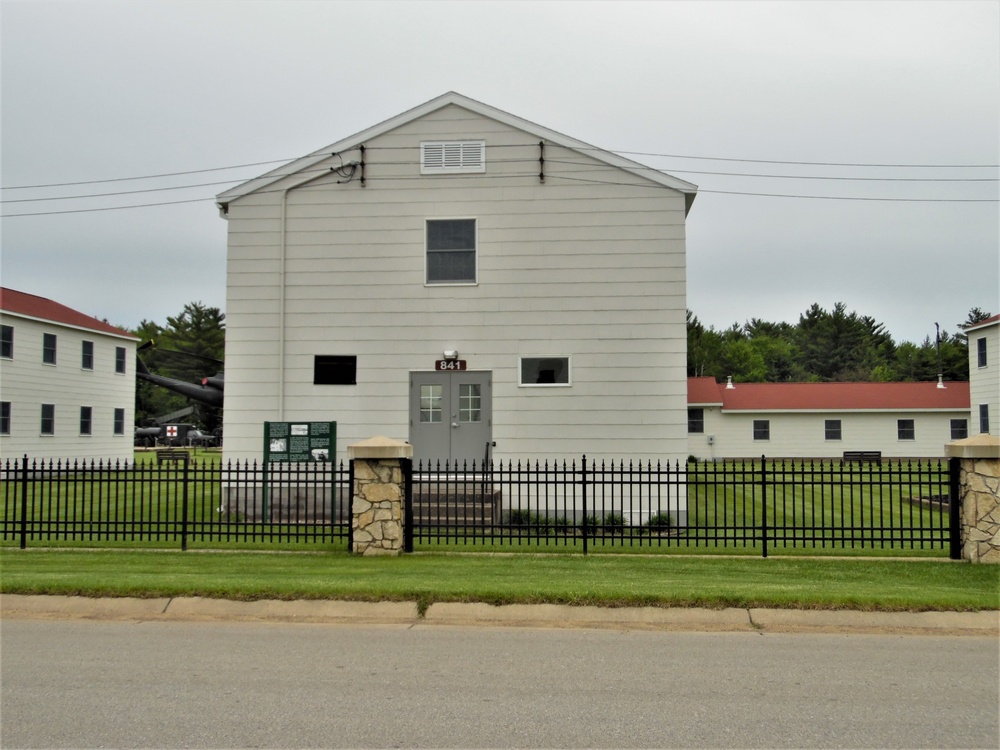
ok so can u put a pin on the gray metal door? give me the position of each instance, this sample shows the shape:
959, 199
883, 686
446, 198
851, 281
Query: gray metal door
451, 415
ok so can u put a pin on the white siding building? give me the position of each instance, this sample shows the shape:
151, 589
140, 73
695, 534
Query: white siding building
67, 382
546, 274
984, 376
824, 420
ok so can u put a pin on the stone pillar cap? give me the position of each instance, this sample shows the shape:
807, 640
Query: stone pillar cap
380, 446
979, 446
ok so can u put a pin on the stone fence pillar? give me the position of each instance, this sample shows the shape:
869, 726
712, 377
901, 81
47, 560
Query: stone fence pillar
379, 495
979, 496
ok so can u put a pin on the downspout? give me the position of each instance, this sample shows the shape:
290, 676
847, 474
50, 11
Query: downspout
281, 286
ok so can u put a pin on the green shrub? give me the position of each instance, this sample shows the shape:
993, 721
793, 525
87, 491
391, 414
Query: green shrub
660, 521
614, 521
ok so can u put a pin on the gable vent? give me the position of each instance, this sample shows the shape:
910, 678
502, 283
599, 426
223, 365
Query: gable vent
444, 157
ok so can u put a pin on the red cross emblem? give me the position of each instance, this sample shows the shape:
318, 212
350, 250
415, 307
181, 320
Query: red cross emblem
172, 431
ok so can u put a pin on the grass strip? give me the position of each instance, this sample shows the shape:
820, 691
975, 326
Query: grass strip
611, 581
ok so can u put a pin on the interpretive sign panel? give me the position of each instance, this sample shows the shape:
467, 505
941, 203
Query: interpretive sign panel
300, 441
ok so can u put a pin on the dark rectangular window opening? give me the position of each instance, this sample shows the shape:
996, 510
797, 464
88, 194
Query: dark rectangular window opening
905, 429
981, 352
329, 369
696, 421
959, 429
87, 359
120, 360
984, 418
48, 419
86, 420
49, 348
7, 342
119, 421
5, 418
762, 429
832, 429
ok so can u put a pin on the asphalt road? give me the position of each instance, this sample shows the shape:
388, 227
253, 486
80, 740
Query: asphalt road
231, 684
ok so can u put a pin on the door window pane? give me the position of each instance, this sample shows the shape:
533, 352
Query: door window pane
430, 403
469, 403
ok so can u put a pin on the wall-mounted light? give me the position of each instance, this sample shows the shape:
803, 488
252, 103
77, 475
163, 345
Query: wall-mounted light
450, 354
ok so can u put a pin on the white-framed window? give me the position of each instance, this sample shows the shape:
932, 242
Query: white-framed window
984, 419
832, 429
48, 348
762, 429
119, 424
696, 421
452, 157
7, 342
86, 420
87, 356
545, 371
120, 360
981, 352
48, 426
4, 417
451, 251
905, 429
959, 429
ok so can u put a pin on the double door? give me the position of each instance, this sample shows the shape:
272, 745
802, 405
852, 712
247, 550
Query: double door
451, 415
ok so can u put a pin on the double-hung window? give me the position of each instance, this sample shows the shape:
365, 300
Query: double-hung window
48, 426
4, 417
87, 356
451, 251
120, 360
696, 421
119, 425
984, 419
959, 429
981, 352
86, 420
49, 348
762, 429
905, 429
832, 429
7, 342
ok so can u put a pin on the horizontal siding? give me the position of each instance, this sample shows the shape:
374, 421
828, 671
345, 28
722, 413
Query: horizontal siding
594, 271
803, 435
27, 383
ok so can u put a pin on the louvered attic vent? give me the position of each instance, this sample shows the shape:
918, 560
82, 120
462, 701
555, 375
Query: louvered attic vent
447, 157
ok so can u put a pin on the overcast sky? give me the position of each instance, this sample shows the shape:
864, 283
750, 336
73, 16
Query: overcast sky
95, 92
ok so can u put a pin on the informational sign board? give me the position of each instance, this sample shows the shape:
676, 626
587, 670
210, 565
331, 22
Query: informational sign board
300, 441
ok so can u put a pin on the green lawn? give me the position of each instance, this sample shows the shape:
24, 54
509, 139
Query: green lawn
621, 580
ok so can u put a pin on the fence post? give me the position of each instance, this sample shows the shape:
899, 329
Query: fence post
406, 464
184, 507
954, 508
583, 480
24, 503
763, 503
378, 495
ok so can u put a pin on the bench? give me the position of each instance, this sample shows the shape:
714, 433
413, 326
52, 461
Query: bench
164, 456
868, 457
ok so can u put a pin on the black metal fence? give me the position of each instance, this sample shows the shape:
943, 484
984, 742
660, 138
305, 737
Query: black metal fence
761, 506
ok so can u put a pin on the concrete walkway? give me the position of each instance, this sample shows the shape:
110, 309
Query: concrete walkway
407, 614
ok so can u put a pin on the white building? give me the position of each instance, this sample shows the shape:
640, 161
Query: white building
67, 382
464, 279
984, 375
825, 420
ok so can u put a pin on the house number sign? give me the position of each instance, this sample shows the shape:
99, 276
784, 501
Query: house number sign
450, 364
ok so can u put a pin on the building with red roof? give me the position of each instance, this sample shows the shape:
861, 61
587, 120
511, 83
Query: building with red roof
822, 420
67, 382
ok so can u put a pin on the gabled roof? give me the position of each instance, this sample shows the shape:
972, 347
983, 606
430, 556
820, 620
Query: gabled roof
830, 396
40, 308
983, 323
472, 105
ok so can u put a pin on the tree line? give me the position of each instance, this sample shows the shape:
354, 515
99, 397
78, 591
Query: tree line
824, 346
